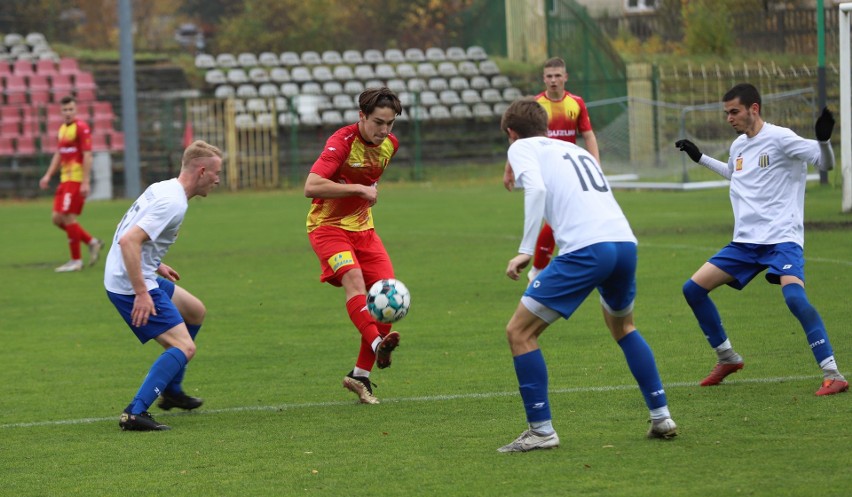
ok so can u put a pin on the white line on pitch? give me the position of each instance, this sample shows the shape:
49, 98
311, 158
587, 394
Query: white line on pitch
430, 398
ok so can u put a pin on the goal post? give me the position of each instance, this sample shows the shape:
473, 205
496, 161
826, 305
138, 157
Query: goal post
845, 105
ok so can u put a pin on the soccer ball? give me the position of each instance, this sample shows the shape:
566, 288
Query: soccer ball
388, 300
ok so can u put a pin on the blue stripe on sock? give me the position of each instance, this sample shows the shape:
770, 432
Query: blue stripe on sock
640, 360
532, 382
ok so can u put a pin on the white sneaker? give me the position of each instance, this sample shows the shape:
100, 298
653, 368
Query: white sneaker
72, 265
95, 247
529, 440
662, 428
532, 273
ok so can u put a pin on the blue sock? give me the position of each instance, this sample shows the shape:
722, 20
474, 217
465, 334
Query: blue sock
532, 382
162, 371
175, 386
706, 313
797, 301
641, 362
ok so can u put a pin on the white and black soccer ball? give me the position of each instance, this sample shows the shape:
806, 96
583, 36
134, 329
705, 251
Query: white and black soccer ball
388, 300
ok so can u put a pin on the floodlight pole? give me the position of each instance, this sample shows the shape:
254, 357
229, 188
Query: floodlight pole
821, 98
128, 101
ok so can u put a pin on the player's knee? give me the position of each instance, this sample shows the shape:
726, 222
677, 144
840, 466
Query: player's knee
196, 313
188, 349
693, 293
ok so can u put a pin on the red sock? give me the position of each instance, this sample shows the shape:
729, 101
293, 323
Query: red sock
361, 318
384, 329
73, 231
544, 247
366, 356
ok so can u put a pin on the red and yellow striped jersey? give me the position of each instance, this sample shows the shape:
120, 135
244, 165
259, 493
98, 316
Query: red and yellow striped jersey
348, 159
74, 140
565, 117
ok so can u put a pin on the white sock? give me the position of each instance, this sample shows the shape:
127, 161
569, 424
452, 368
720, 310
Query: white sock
356, 371
723, 346
543, 427
375, 344
660, 413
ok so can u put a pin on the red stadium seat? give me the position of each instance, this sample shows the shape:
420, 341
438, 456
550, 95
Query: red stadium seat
45, 67
8, 128
102, 109
84, 95
49, 143
68, 66
99, 142
23, 67
10, 114
116, 141
7, 146
16, 89
61, 86
26, 145
85, 81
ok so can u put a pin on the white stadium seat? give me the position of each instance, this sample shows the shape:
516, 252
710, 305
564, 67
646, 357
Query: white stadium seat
447, 69
468, 68
479, 83
406, 71
311, 58
394, 56
438, 84
459, 83
268, 59
205, 61
279, 74
352, 57
491, 95
332, 87
415, 55
290, 59
268, 90
435, 54
215, 77
511, 94
488, 68
373, 56
226, 60
237, 76
258, 75
456, 54
331, 58
461, 111
247, 59
246, 91
477, 53
343, 73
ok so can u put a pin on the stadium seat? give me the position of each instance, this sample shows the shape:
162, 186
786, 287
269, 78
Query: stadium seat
351, 116
332, 87
511, 94
353, 87
246, 91
468, 68
456, 54
415, 55
39, 97
311, 88
116, 141
322, 73
491, 95
281, 104
205, 61
447, 69
239, 105
435, 54
35, 38
300, 74
374, 83
268, 59
68, 66
385, 71
84, 80
258, 75
489, 68
103, 110
461, 111
426, 70
10, 114
244, 121
406, 71
54, 121
331, 58
7, 145
289, 59
439, 112
247, 59
279, 74
438, 84
5, 69
102, 124
470, 97
265, 120
310, 119
373, 56
15, 90
256, 105
417, 84
237, 76
10, 128
397, 85
343, 101
99, 142
500, 108
476, 53
288, 119
39, 82
364, 72
482, 110
23, 68
226, 61
459, 83
332, 117
48, 143
342, 73
449, 98
429, 98
215, 77
12, 39
479, 83
49, 55
394, 56
406, 98
289, 89
419, 112
268, 90
352, 57
311, 58
45, 67
224, 91
500, 82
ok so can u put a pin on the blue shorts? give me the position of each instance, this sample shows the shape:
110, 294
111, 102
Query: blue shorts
565, 283
744, 261
167, 316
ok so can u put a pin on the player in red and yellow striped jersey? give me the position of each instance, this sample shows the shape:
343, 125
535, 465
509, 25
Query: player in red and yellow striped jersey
342, 183
73, 158
566, 117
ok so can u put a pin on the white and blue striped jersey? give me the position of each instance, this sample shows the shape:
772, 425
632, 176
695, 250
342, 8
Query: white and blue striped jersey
159, 211
768, 174
564, 185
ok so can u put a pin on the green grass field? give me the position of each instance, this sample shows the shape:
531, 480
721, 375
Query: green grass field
276, 344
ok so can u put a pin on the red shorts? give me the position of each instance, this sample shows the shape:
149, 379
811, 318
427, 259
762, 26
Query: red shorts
340, 251
68, 199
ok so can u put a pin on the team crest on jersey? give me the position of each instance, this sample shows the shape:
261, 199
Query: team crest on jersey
739, 163
763, 161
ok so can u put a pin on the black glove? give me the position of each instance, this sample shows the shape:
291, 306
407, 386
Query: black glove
690, 149
824, 125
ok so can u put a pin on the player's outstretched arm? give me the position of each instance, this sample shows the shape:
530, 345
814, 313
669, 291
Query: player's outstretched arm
823, 128
710, 163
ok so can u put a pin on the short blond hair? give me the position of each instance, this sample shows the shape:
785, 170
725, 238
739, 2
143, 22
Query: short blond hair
199, 149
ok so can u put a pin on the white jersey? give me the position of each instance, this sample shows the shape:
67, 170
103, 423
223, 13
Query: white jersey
564, 185
768, 174
159, 211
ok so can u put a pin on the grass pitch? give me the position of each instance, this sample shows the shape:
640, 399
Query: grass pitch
276, 344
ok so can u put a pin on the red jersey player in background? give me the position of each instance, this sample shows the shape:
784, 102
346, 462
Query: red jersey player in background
342, 183
566, 117
74, 157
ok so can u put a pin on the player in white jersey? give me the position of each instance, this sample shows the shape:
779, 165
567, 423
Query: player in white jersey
767, 168
142, 288
564, 185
